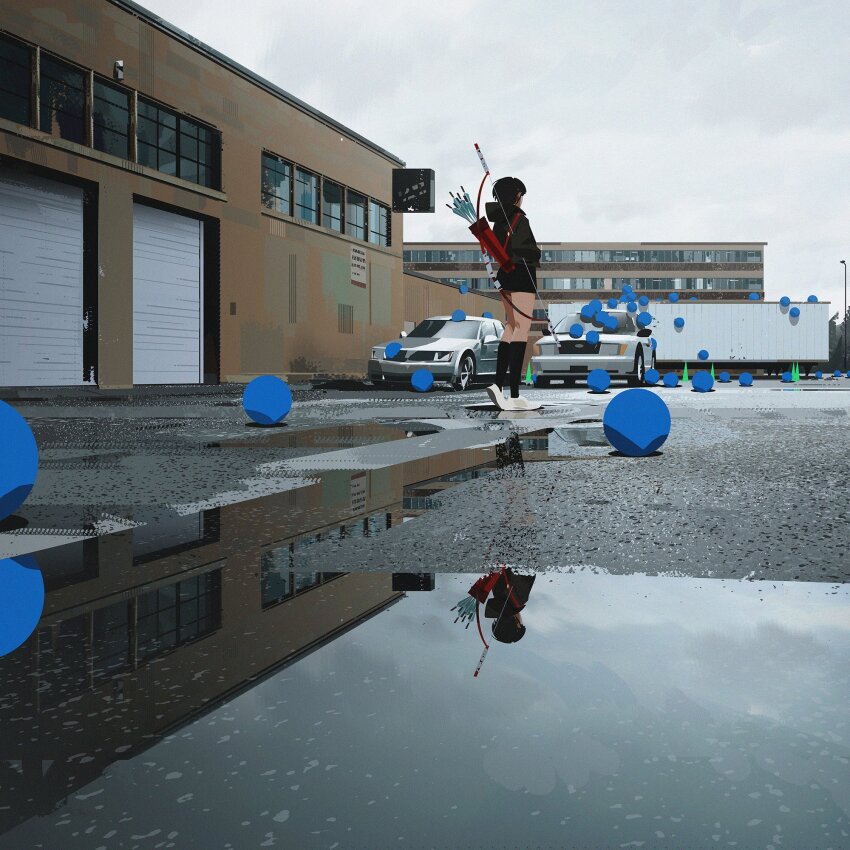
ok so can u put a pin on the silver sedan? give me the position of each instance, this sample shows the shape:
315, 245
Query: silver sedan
457, 352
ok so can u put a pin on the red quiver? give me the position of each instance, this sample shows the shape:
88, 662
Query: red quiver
487, 239
482, 588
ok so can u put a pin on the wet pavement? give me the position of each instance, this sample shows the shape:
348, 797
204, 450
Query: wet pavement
248, 640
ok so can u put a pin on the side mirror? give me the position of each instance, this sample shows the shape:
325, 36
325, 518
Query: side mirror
490, 338
402, 335
645, 332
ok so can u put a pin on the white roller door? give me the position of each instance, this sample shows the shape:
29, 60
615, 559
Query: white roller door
41, 282
167, 297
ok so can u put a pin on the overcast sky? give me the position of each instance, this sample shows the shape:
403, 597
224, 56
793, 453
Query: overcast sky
647, 121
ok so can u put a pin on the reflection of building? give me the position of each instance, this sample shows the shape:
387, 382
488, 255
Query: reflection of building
413, 582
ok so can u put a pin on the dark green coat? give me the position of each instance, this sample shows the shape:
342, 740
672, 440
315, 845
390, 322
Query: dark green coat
522, 246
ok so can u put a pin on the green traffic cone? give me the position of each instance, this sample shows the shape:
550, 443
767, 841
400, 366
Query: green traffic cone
795, 375
685, 374
528, 378
712, 371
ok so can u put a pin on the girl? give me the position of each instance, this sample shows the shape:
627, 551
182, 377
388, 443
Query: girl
518, 288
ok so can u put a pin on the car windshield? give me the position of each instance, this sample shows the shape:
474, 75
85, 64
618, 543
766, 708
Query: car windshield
442, 328
563, 327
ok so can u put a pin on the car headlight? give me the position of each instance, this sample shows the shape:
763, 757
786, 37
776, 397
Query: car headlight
548, 349
377, 353
610, 348
443, 355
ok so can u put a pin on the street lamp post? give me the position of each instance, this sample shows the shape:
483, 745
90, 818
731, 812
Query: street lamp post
844, 324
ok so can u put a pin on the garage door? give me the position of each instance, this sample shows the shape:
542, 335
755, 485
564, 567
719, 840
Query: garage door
41, 282
167, 291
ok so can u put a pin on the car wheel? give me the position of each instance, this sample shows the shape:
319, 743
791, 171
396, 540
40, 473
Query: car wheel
638, 376
465, 373
542, 382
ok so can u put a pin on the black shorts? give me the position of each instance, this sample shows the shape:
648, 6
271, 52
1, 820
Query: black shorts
519, 280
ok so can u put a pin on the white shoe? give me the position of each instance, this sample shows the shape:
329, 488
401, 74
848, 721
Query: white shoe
496, 396
521, 403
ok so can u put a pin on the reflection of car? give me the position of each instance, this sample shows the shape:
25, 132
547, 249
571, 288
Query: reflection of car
625, 352
458, 352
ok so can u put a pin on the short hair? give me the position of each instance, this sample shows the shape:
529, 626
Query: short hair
505, 190
506, 630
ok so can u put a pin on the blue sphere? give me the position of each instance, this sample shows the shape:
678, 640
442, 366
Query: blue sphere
487, 315
21, 600
267, 399
818, 375
422, 380
702, 354
593, 337
464, 289
812, 299
611, 323
787, 377
746, 379
630, 297
784, 300
794, 312
458, 316
702, 381
643, 320
753, 296
627, 287
632, 307
652, 376
598, 381
19, 466
837, 373
595, 305
724, 377
673, 296
587, 313
671, 379
653, 343
576, 331
679, 322
612, 303
848, 374
636, 422
693, 298
391, 350
624, 299
643, 300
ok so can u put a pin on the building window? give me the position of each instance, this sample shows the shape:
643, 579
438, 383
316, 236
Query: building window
15, 81
355, 214
332, 205
63, 100
111, 640
378, 224
345, 318
111, 119
306, 196
277, 184
197, 153
157, 132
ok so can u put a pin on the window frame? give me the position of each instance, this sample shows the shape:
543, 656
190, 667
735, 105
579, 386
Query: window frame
109, 84
29, 99
84, 117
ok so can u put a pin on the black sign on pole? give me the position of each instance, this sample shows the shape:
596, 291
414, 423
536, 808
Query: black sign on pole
413, 190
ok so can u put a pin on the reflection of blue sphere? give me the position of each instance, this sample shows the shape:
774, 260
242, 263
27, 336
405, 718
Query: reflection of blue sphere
632, 307
723, 377
576, 331
784, 300
267, 399
391, 350
643, 300
487, 315
794, 312
818, 375
587, 313
592, 337
595, 305
612, 303
18, 460
671, 379
787, 377
464, 289
598, 381
21, 600
679, 322
746, 379
643, 320
836, 373
458, 316
422, 380
812, 299
673, 296
753, 296
636, 422
652, 376
702, 381
702, 354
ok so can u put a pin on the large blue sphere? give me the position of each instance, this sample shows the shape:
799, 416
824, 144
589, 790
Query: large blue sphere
818, 375
753, 296
787, 377
671, 379
422, 380
702, 381
848, 374
21, 600
587, 313
576, 331
702, 354
812, 299
836, 373
612, 303
18, 460
794, 312
723, 377
593, 337
458, 316
679, 322
643, 320
784, 300
487, 314
595, 305
652, 376
464, 289
673, 296
746, 379
636, 422
643, 300
391, 350
693, 298
611, 323
598, 381
632, 307
267, 399
630, 296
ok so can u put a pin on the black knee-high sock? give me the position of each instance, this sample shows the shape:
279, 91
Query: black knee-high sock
517, 355
502, 359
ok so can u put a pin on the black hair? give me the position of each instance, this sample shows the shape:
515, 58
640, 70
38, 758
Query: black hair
505, 190
506, 630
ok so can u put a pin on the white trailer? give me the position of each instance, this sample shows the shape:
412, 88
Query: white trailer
746, 335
